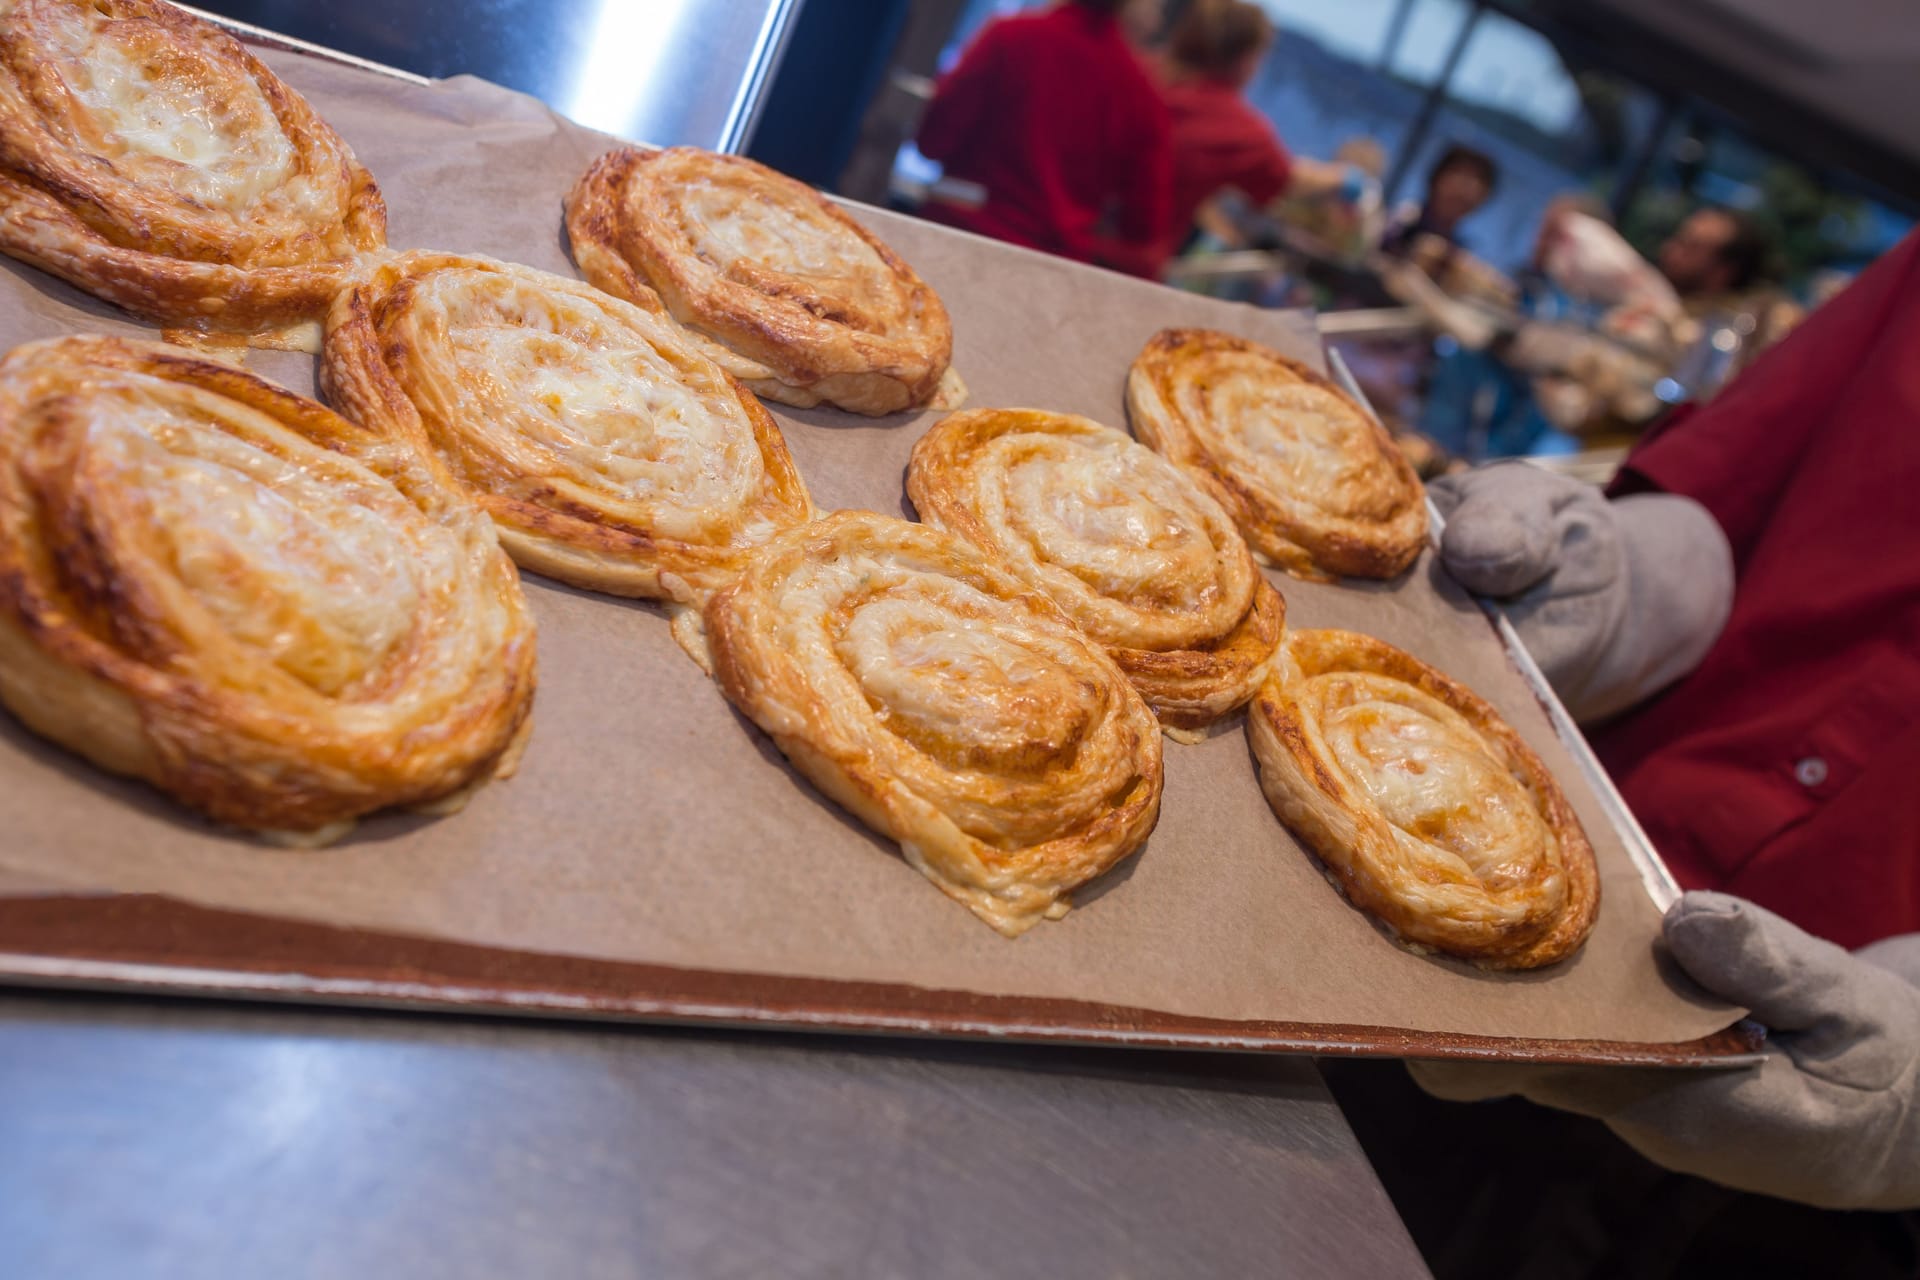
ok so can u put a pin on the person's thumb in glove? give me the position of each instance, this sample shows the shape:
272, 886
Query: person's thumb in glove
1502, 533
1614, 600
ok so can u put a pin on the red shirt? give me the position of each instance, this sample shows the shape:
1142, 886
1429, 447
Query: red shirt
1786, 768
1219, 141
1053, 114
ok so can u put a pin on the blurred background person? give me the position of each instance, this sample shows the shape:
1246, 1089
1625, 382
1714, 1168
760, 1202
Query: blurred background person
1714, 251
1603, 341
1458, 184
1054, 119
1220, 142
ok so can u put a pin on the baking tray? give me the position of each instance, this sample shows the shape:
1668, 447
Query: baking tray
162, 943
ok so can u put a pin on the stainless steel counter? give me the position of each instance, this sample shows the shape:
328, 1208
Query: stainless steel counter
150, 1139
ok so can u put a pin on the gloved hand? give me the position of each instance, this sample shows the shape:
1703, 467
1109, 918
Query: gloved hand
1832, 1118
1614, 600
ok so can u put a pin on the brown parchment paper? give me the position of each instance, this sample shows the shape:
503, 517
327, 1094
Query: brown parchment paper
651, 824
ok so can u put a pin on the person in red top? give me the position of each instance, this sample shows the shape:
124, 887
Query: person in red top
1740, 621
1220, 142
1053, 115
1782, 766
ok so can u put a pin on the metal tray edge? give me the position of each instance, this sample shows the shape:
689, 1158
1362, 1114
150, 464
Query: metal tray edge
488, 1000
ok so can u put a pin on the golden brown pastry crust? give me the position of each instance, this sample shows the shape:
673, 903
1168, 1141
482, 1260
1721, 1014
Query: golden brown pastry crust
1312, 480
246, 600
148, 158
1428, 809
926, 689
610, 452
1136, 554
803, 303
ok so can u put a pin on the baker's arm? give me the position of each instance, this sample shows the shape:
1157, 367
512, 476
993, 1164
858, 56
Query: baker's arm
1832, 1117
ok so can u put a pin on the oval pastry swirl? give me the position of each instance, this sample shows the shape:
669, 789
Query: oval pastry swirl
1133, 551
1312, 480
805, 304
1426, 806
149, 159
248, 601
610, 452
924, 688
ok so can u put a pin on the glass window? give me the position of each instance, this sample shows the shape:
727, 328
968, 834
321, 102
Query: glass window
1513, 70
1322, 85
1418, 50
1354, 28
1549, 130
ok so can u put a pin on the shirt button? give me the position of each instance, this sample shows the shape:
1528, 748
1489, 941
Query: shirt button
1810, 772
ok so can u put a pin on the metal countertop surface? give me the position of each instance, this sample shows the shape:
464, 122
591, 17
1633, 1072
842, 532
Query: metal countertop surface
183, 1139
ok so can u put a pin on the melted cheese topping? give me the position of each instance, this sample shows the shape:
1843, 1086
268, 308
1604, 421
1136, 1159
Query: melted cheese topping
1289, 438
180, 146
319, 587
1458, 811
978, 696
756, 234
539, 382
1008, 721
168, 119
1134, 551
303, 559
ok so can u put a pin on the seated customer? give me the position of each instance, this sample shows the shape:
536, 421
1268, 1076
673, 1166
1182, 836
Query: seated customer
1053, 116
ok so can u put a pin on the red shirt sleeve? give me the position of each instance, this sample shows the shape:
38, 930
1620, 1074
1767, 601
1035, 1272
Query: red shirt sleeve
1736, 454
964, 96
1268, 175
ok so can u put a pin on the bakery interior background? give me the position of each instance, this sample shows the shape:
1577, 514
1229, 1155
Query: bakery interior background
1639, 110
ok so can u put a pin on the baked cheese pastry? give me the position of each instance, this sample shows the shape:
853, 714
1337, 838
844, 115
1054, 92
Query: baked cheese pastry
804, 304
1314, 483
610, 452
148, 158
1136, 554
264, 610
1427, 809
925, 688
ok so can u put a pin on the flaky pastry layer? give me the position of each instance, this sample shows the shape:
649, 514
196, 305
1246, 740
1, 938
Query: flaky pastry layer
148, 158
212, 584
1311, 479
801, 302
1136, 554
925, 688
1428, 809
609, 450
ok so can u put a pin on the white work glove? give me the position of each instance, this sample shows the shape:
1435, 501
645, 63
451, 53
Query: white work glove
1832, 1118
1614, 600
